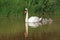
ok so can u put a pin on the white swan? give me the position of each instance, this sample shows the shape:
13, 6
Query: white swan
34, 25
31, 19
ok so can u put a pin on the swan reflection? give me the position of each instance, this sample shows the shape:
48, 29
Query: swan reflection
33, 25
36, 24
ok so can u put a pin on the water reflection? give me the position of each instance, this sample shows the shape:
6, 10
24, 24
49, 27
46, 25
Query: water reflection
47, 21
37, 24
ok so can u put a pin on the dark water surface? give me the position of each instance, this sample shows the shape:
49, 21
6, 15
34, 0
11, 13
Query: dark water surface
13, 29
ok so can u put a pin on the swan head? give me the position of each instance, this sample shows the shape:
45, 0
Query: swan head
26, 10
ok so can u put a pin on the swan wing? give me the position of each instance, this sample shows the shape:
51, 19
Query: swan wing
33, 19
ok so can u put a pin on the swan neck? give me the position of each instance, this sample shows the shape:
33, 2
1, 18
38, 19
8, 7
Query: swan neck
26, 19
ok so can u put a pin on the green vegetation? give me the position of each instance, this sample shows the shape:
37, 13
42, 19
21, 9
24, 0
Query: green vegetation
15, 8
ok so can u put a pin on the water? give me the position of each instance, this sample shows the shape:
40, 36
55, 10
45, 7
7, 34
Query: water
14, 29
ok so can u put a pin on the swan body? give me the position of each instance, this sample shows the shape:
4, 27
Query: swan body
34, 19
34, 24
